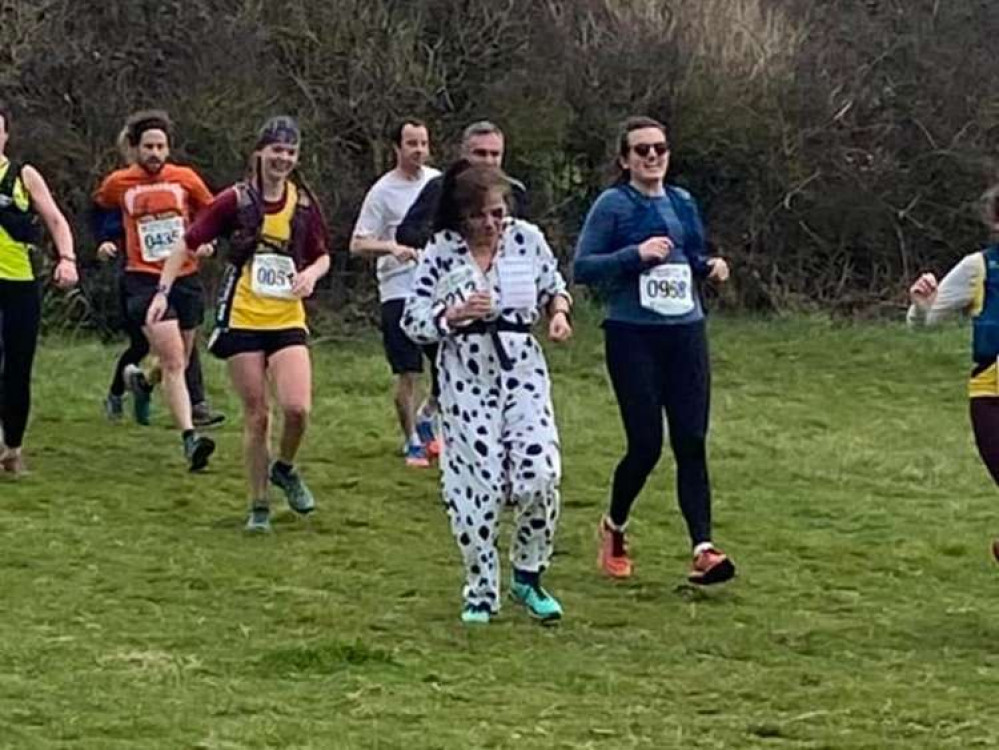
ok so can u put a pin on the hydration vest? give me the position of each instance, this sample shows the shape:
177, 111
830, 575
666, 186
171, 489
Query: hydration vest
20, 224
247, 235
985, 325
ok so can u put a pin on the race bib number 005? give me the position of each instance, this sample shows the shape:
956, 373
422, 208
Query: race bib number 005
272, 275
158, 238
667, 290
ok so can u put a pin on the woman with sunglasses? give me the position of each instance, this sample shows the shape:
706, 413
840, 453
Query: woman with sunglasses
482, 283
277, 252
643, 246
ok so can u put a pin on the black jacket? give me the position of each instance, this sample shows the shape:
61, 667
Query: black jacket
417, 226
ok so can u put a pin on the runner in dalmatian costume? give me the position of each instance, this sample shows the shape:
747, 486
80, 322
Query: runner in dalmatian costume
483, 282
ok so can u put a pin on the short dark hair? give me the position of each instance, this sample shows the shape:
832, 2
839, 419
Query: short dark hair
147, 119
637, 122
396, 134
464, 190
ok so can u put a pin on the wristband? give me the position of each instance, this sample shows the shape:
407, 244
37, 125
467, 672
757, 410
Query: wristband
70, 258
163, 289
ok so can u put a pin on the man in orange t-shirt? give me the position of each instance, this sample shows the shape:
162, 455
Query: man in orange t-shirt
157, 201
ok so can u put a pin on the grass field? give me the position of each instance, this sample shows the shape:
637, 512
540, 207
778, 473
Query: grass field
134, 612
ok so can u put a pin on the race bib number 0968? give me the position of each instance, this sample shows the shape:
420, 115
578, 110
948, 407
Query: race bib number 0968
667, 290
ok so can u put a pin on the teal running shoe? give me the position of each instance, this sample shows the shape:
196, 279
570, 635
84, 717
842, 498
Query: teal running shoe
476, 614
114, 408
197, 450
539, 603
142, 393
259, 520
290, 482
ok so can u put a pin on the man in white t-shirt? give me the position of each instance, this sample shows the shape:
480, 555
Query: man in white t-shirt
383, 209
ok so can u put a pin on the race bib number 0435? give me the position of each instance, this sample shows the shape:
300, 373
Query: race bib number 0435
667, 290
158, 238
272, 275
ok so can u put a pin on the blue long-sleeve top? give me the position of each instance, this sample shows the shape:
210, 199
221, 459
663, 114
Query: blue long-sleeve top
607, 255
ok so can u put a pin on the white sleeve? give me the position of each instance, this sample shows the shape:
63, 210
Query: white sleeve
370, 222
955, 294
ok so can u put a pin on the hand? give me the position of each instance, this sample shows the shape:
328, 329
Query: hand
303, 284
924, 290
655, 249
719, 269
559, 327
206, 251
65, 275
478, 305
402, 253
106, 251
157, 309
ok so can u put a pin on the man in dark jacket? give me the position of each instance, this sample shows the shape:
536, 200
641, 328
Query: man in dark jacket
482, 145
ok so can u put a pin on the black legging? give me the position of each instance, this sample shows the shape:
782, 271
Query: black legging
20, 317
655, 370
985, 423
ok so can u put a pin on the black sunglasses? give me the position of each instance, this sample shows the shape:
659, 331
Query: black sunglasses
643, 149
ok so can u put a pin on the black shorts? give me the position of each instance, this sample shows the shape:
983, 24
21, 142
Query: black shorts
186, 303
228, 343
402, 354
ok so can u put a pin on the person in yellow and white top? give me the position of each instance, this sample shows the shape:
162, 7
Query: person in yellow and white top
972, 287
24, 197
277, 252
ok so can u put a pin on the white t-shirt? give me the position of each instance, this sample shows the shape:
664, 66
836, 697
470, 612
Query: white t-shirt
383, 210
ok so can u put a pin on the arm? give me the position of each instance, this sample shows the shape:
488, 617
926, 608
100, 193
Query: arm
553, 294
956, 293
55, 222
211, 223
416, 226
370, 226
596, 262
423, 317
317, 260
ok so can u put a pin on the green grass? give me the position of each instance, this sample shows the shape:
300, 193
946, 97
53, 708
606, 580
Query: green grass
134, 613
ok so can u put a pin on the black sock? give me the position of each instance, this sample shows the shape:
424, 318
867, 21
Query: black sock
187, 435
283, 468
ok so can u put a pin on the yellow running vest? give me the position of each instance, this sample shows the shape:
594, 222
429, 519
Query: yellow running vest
15, 259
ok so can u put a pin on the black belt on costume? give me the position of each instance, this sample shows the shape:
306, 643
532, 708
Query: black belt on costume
493, 328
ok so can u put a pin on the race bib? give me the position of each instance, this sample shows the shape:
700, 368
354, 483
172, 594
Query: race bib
272, 275
516, 281
667, 290
456, 287
158, 238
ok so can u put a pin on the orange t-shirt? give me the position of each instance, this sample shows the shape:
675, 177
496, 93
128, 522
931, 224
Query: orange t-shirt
157, 209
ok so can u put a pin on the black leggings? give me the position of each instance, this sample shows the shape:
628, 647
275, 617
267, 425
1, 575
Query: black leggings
656, 370
138, 348
985, 423
20, 317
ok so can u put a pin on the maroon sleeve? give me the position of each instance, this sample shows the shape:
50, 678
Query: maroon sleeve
317, 242
214, 221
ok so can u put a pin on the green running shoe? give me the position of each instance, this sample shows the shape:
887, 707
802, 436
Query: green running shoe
476, 614
539, 603
259, 520
290, 482
142, 393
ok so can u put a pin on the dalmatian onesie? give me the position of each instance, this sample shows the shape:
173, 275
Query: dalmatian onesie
500, 440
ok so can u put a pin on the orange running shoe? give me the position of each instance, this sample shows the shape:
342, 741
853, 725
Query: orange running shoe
612, 557
433, 448
416, 457
710, 565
